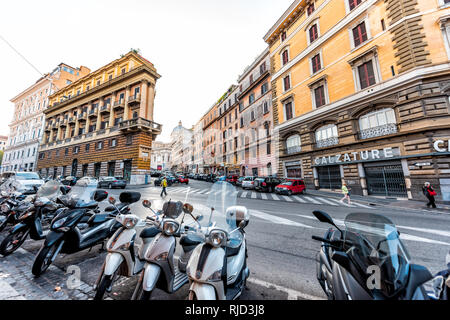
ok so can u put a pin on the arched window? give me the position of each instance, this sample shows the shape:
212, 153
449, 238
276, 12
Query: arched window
327, 136
293, 144
378, 123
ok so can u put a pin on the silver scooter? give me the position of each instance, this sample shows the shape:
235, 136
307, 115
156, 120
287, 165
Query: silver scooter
124, 258
160, 270
217, 268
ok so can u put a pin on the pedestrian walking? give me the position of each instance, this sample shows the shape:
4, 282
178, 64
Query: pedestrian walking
164, 186
429, 192
346, 193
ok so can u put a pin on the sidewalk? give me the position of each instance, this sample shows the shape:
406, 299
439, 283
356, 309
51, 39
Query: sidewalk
387, 202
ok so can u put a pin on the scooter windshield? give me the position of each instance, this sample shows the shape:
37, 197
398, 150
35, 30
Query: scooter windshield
11, 185
49, 190
377, 250
81, 194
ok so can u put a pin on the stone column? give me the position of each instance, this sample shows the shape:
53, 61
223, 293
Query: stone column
58, 134
143, 107
67, 129
126, 108
77, 123
111, 113
99, 118
362, 179
407, 175
118, 171
90, 170
104, 169
150, 101
88, 119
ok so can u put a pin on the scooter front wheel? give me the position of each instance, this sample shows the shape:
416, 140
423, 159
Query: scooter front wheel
13, 242
101, 289
3, 224
145, 295
44, 259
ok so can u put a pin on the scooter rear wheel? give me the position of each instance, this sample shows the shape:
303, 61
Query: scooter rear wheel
13, 242
3, 224
43, 260
101, 289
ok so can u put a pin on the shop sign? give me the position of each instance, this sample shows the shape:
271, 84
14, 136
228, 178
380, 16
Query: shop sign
366, 155
439, 146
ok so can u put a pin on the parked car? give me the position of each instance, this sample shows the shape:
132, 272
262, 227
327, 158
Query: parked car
88, 181
248, 183
239, 181
291, 186
160, 179
28, 181
211, 178
69, 181
266, 184
183, 179
111, 182
232, 179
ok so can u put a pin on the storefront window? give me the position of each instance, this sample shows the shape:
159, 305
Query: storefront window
327, 136
293, 144
378, 123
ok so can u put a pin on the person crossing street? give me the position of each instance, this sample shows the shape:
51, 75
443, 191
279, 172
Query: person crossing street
429, 192
164, 186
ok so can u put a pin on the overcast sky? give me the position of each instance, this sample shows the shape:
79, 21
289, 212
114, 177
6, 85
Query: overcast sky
200, 47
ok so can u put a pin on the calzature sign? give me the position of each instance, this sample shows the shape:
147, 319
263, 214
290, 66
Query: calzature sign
366, 155
439, 146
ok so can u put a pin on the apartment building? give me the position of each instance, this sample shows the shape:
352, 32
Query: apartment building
161, 153
27, 125
3, 142
361, 94
255, 151
180, 139
210, 139
197, 145
102, 124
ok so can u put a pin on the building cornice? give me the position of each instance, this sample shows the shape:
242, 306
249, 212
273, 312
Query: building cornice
281, 22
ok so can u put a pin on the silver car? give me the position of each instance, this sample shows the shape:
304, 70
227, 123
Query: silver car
248, 183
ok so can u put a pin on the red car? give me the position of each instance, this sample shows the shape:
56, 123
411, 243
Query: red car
232, 179
183, 179
291, 186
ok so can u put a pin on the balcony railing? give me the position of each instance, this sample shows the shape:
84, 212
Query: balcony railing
105, 108
135, 99
292, 150
119, 104
379, 131
82, 116
327, 142
93, 113
139, 123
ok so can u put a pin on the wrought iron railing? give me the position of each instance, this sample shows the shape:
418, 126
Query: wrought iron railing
327, 142
292, 150
379, 131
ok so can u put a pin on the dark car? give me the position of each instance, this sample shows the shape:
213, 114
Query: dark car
111, 182
69, 181
239, 181
291, 186
160, 179
232, 179
266, 184
211, 178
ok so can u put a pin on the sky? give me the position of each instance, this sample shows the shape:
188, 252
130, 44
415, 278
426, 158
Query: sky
199, 47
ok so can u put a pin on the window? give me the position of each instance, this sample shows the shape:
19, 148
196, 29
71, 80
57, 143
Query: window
319, 92
313, 33
383, 24
123, 70
310, 9
99, 145
366, 75
252, 115
327, 136
283, 36
319, 95
293, 144
288, 111
242, 122
129, 139
285, 57
352, 4
268, 150
76, 149
315, 63
265, 107
251, 98
66, 151
264, 88
359, 34
41, 155
378, 123
87, 147
287, 83
262, 69
113, 143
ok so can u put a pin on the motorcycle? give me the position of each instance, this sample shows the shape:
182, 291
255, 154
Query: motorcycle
218, 268
66, 236
161, 270
14, 203
367, 261
124, 258
30, 221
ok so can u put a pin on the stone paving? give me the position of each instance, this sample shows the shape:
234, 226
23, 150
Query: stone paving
18, 283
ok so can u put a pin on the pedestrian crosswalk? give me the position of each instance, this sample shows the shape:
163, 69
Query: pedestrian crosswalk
318, 200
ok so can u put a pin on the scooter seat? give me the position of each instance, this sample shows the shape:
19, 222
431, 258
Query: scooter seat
190, 240
149, 233
97, 218
234, 248
112, 208
88, 205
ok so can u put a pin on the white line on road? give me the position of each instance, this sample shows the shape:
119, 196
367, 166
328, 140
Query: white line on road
326, 201
254, 196
275, 197
291, 294
311, 200
244, 194
299, 199
278, 220
264, 196
287, 199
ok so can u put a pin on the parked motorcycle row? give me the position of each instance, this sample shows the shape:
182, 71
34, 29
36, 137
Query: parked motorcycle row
361, 258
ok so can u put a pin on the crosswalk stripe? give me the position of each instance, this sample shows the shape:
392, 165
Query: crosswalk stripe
264, 196
299, 199
275, 197
254, 196
361, 205
311, 200
326, 201
287, 199
244, 194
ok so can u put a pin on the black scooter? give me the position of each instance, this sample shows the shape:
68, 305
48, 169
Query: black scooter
66, 236
11, 210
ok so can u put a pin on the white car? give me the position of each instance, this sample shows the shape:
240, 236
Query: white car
28, 181
248, 183
88, 181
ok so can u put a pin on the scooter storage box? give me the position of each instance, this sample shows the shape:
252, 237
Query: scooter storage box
129, 197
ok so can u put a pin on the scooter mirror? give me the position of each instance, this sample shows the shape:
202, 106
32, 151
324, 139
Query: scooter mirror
324, 217
112, 200
187, 208
199, 218
146, 203
242, 224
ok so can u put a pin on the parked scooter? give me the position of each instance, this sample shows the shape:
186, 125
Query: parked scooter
367, 261
65, 236
124, 258
14, 203
161, 270
217, 268
30, 223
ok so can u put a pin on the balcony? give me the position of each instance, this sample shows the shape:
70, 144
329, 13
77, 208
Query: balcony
105, 108
327, 142
134, 99
293, 150
138, 124
92, 113
379, 131
119, 104
71, 120
82, 117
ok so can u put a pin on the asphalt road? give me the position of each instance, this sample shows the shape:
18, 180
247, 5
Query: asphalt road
281, 252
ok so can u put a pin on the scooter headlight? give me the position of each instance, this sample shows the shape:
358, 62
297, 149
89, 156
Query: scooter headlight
170, 227
129, 222
58, 223
5, 208
217, 238
216, 276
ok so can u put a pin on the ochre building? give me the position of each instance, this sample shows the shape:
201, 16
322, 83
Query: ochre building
102, 124
361, 95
